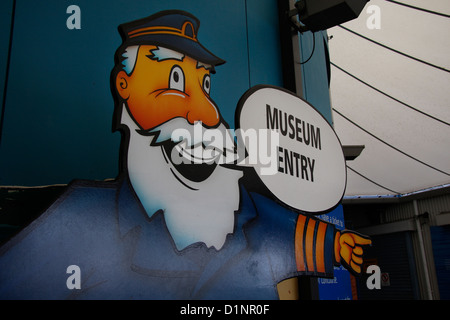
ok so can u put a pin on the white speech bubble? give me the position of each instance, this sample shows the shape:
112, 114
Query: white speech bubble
311, 172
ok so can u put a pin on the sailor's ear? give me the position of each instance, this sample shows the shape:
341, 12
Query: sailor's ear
122, 84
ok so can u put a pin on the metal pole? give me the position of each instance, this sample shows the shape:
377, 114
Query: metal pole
297, 57
422, 252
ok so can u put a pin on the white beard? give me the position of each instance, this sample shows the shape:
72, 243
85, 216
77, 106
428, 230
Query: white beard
193, 211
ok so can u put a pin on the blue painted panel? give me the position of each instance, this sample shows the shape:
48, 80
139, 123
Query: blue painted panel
315, 78
314, 71
264, 43
58, 110
6, 8
440, 236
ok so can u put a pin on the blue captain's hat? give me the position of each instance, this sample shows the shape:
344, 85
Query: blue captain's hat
173, 29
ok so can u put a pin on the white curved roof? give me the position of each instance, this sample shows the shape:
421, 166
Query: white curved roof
390, 91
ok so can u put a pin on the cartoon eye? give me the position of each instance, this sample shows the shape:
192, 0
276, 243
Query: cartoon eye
207, 83
176, 79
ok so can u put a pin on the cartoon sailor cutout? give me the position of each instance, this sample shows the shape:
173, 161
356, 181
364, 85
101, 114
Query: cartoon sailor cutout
162, 81
168, 228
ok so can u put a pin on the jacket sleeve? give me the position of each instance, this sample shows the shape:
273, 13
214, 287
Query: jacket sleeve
314, 246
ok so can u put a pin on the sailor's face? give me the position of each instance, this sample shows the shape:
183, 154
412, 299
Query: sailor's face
158, 91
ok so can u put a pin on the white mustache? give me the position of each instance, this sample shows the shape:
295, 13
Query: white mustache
192, 139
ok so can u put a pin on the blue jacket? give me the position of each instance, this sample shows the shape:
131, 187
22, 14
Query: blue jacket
122, 254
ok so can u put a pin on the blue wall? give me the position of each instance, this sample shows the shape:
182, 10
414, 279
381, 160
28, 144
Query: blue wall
314, 71
58, 108
57, 115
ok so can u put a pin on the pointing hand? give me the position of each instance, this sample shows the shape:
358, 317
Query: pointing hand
349, 249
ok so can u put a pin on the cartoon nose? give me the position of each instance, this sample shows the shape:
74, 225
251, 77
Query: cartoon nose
202, 108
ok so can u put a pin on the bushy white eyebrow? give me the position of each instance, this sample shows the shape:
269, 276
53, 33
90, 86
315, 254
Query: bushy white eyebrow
203, 65
161, 54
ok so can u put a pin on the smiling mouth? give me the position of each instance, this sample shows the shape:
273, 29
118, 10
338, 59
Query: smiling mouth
192, 168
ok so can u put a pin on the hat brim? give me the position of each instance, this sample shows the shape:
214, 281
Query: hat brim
183, 45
